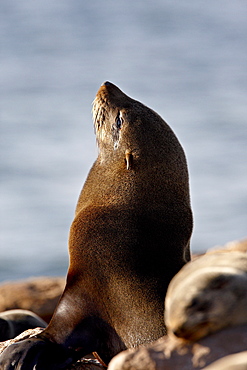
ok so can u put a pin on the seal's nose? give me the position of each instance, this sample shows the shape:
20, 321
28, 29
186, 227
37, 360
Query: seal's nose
109, 89
107, 83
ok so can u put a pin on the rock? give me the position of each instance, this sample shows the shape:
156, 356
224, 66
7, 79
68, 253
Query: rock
172, 353
87, 364
15, 322
39, 295
238, 361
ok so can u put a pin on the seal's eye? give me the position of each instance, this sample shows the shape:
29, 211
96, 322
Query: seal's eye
119, 121
116, 127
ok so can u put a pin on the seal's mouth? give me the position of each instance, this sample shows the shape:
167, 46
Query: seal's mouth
100, 104
106, 119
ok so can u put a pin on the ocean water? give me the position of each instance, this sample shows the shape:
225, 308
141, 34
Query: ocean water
186, 60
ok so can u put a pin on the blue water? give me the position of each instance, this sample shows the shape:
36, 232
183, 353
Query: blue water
186, 60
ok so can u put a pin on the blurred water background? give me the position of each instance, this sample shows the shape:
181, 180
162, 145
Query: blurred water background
187, 60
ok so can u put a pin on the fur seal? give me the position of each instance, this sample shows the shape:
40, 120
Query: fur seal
14, 322
129, 237
207, 295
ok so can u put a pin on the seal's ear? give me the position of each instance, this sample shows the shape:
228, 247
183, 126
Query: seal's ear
129, 159
220, 281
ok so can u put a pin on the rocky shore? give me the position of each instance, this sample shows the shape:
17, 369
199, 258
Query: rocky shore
39, 295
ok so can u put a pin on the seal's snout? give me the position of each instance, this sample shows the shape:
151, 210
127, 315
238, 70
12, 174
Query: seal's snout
109, 88
107, 83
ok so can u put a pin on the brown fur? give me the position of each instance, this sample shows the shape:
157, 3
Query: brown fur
130, 234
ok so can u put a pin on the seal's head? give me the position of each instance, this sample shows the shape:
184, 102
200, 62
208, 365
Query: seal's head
127, 129
206, 299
